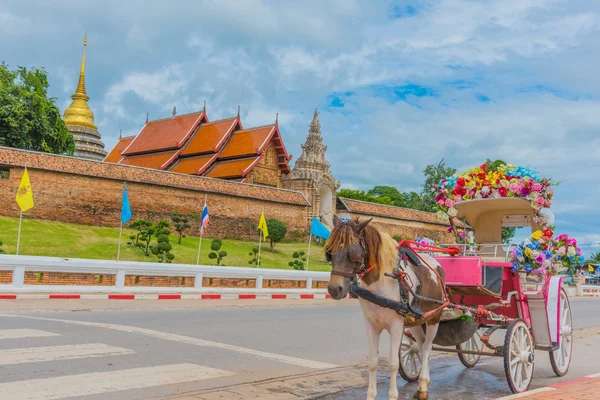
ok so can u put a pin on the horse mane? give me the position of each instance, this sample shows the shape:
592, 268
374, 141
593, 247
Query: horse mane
381, 248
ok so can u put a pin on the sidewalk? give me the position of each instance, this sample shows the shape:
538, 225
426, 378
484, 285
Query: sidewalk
586, 388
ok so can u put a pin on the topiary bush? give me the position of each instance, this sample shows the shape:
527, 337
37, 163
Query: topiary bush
217, 253
254, 261
162, 249
298, 261
181, 224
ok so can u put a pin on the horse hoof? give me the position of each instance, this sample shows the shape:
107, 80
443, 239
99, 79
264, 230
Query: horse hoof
421, 395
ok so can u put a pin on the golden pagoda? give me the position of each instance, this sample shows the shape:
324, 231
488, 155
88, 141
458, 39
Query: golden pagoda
79, 120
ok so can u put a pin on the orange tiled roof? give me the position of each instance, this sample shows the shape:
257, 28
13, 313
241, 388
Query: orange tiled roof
232, 168
165, 134
189, 136
382, 210
115, 154
154, 160
210, 137
247, 142
193, 165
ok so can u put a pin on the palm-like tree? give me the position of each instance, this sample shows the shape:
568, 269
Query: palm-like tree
594, 259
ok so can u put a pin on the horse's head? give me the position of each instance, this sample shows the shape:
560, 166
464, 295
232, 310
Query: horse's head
351, 248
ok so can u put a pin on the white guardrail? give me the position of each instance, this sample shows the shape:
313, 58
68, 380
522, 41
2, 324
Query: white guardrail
20, 264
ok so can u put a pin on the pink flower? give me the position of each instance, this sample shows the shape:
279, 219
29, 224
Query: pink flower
457, 198
540, 258
514, 187
449, 203
540, 201
440, 202
571, 242
547, 203
537, 187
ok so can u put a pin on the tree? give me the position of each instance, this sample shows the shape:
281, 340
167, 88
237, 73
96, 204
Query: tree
433, 175
162, 249
181, 224
29, 119
508, 233
362, 196
277, 231
404, 199
217, 253
298, 261
143, 237
594, 259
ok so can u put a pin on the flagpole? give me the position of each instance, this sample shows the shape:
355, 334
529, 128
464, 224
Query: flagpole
308, 257
201, 232
260, 235
120, 234
19, 234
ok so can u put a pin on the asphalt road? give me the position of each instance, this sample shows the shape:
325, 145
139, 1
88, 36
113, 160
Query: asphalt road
160, 349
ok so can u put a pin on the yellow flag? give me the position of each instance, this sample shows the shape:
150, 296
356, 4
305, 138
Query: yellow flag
24, 194
262, 225
590, 268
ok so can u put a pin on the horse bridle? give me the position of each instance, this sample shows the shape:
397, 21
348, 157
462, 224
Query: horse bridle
357, 272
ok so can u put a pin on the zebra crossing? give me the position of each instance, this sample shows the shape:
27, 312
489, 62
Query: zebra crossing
28, 346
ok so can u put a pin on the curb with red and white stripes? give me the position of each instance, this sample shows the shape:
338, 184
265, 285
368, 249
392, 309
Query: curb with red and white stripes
138, 296
550, 388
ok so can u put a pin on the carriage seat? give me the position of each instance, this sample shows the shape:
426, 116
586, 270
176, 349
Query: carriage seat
469, 275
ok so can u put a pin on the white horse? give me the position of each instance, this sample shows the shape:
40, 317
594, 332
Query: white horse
357, 249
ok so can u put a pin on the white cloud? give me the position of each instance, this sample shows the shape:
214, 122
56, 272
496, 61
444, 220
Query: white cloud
155, 88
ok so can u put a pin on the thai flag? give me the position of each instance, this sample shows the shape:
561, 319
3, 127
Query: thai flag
204, 219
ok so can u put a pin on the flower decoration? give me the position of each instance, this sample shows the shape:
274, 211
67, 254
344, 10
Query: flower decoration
533, 255
566, 253
495, 180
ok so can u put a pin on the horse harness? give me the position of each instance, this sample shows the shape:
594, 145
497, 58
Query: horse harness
358, 272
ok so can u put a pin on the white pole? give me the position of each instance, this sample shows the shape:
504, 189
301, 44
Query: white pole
19, 234
120, 234
259, 243
308, 257
260, 239
201, 233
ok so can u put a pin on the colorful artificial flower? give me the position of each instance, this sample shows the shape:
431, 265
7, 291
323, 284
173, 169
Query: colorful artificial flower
568, 255
495, 180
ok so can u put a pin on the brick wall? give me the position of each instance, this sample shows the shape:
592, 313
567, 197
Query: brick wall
88, 192
82, 279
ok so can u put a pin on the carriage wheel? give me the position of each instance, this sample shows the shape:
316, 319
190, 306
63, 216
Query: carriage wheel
560, 359
410, 359
473, 344
518, 356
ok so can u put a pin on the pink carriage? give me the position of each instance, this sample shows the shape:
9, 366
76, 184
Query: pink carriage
534, 312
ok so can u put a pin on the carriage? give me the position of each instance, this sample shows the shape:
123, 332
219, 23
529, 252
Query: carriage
532, 310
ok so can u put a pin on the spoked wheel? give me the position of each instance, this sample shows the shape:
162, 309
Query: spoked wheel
473, 344
410, 359
518, 356
560, 359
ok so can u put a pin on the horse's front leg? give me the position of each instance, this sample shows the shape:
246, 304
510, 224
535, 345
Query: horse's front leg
373, 334
424, 379
396, 332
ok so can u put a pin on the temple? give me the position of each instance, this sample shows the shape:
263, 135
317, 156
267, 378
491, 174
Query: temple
312, 177
191, 144
79, 120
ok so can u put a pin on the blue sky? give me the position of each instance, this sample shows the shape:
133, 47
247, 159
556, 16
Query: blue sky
400, 84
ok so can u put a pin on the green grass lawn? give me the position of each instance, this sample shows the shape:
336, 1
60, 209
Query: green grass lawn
58, 239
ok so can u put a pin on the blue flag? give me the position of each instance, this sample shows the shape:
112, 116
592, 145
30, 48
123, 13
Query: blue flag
125, 209
318, 229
